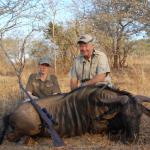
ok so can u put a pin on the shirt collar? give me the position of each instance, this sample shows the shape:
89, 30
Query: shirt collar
38, 76
89, 60
96, 52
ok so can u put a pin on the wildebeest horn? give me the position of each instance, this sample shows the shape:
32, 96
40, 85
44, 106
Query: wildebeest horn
141, 98
146, 110
120, 99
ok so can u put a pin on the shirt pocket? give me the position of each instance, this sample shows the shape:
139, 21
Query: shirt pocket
79, 71
49, 84
35, 84
94, 69
48, 89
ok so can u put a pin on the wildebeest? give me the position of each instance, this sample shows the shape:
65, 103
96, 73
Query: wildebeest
80, 111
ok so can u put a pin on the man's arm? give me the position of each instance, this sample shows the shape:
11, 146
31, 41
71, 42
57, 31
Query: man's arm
73, 83
56, 88
96, 79
28, 99
29, 88
73, 77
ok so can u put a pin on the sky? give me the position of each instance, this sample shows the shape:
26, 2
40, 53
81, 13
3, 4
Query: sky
45, 15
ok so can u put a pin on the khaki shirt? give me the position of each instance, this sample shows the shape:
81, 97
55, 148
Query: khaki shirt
41, 88
83, 69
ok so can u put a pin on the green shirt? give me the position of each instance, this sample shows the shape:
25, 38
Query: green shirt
41, 88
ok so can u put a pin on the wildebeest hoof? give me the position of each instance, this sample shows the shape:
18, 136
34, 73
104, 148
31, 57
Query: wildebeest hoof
129, 141
12, 137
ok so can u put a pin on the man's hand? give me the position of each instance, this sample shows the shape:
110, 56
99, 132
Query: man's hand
28, 99
32, 96
83, 84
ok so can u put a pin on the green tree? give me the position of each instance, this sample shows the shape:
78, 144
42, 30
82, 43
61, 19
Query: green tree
115, 22
65, 39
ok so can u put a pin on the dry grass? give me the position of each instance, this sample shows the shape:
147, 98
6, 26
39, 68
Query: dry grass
135, 78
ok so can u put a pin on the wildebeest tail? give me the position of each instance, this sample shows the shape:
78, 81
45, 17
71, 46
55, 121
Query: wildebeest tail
5, 127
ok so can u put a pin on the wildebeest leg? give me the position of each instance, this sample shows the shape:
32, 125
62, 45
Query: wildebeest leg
14, 136
116, 124
115, 127
131, 130
99, 126
126, 126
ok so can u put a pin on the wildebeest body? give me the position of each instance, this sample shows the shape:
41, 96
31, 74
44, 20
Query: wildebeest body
76, 113
65, 110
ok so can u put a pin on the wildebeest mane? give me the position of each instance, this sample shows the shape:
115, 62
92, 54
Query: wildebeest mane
113, 89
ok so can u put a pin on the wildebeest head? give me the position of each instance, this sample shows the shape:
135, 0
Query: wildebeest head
106, 100
131, 114
109, 104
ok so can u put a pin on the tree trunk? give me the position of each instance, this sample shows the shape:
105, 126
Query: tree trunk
116, 47
116, 64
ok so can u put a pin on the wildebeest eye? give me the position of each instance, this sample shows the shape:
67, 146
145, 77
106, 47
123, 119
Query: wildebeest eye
100, 110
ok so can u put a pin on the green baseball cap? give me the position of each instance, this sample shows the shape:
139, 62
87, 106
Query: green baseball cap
45, 60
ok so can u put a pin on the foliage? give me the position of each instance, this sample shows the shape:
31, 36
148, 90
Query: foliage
65, 39
118, 21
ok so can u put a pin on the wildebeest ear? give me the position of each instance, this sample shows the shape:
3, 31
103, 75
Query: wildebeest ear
123, 99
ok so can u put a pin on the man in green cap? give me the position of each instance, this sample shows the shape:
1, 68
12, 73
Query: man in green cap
91, 67
42, 83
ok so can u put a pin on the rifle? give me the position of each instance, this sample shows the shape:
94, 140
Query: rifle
46, 118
